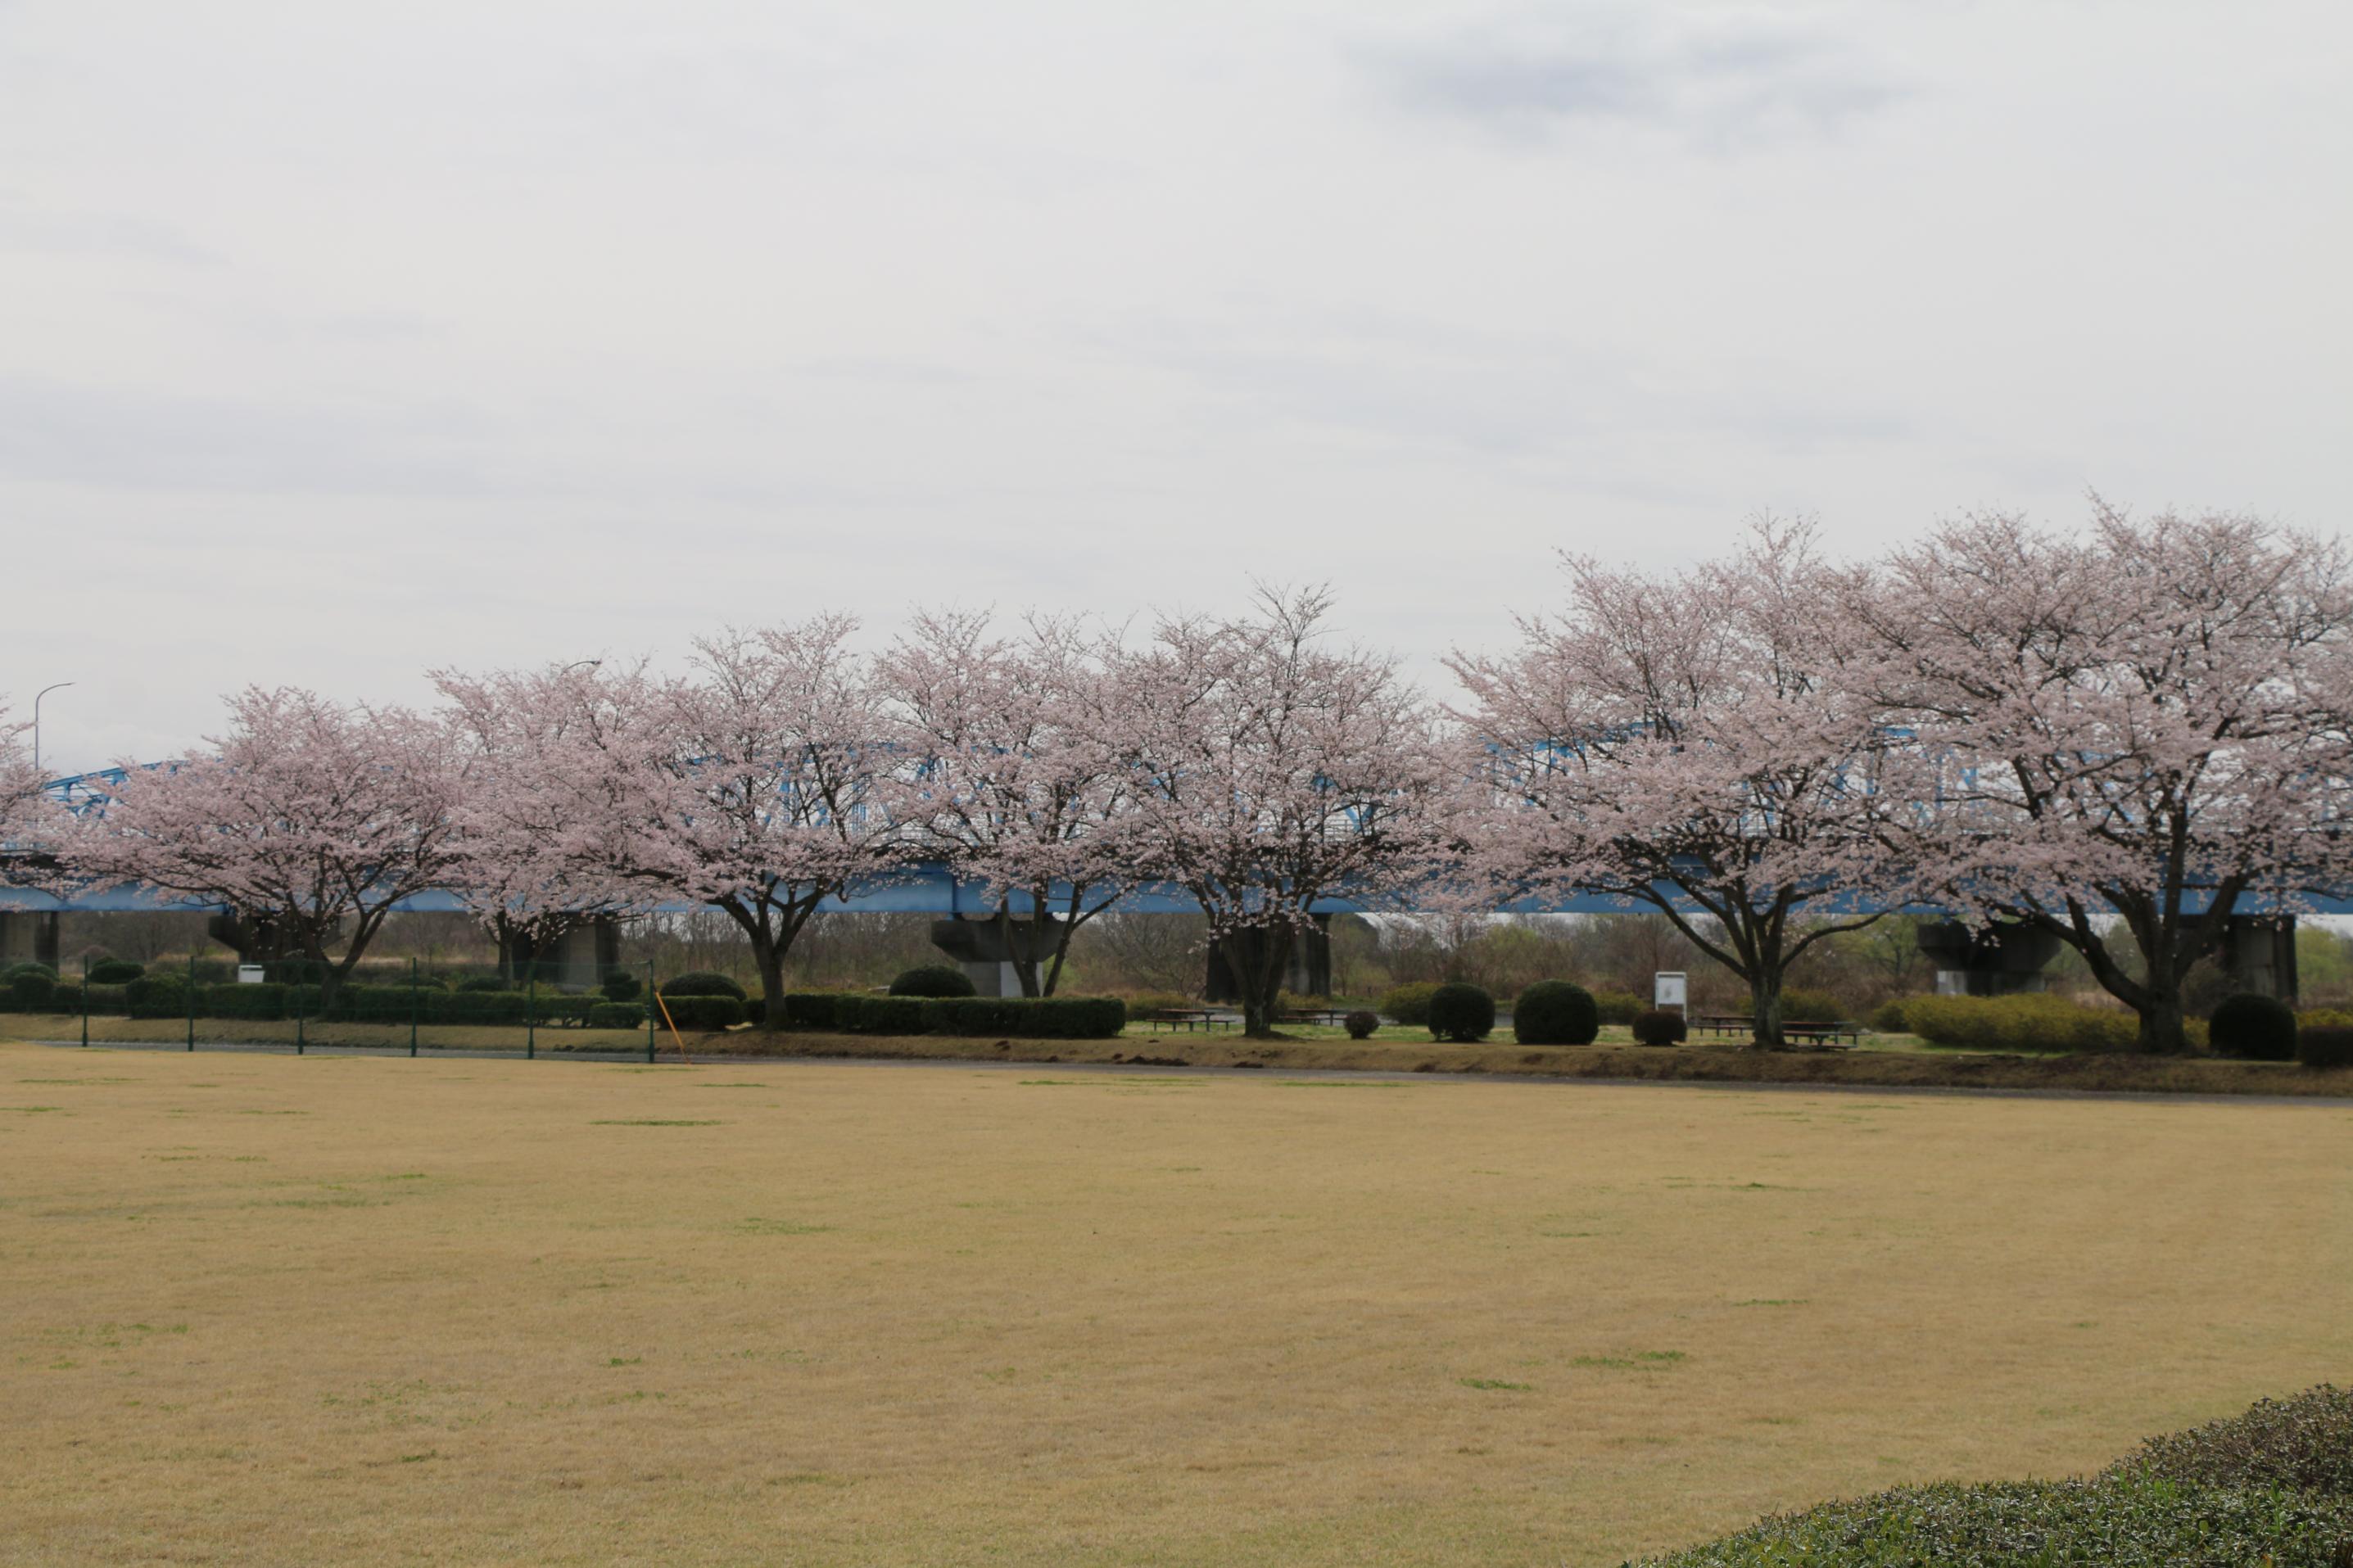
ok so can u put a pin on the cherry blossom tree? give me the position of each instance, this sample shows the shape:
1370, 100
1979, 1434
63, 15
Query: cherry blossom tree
1019, 787
27, 820
1267, 771
763, 784
309, 817
511, 865
2150, 721
1685, 742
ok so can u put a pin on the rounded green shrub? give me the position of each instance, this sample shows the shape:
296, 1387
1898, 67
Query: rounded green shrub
115, 971
616, 1016
483, 983
2302, 1444
1409, 1004
935, 980
28, 967
1459, 1012
2254, 1029
699, 1010
1617, 1007
1888, 1017
2325, 1045
1661, 1028
621, 985
701, 983
1360, 1024
1800, 1005
1555, 1013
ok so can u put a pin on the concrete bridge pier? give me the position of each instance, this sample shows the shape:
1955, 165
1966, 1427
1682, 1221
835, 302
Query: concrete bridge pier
985, 948
582, 954
2001, 961
29, 936
2259, 956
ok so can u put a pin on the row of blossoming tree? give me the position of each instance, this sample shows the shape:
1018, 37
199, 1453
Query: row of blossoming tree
2121, 736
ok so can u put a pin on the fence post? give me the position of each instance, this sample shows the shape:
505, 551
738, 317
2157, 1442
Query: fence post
192, 998
301, 1004
85, 1001
650, 1006
412, 1005
531, 1010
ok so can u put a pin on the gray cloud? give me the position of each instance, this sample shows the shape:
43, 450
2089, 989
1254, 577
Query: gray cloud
1723, 87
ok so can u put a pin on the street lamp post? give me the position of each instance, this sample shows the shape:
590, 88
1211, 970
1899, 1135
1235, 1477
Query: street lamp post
44, 691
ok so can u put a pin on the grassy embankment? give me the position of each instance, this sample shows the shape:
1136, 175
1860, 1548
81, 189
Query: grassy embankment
281, 1311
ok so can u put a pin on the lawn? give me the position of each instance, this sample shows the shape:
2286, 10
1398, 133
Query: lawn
281, 1310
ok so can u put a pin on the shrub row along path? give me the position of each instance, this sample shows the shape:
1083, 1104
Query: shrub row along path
343, 1309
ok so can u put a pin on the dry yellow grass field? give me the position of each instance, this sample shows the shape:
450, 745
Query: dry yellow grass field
276, 1311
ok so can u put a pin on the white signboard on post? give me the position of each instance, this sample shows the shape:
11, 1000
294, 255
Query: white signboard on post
1667, 989
248, 974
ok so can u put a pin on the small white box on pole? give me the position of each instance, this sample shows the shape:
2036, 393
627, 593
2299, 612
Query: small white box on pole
248, 974
1667, 990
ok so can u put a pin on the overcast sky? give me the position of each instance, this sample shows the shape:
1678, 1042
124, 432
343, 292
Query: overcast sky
337, 341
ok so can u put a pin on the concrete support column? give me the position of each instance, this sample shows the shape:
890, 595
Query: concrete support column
2259, 956
579, 959
2001, 961
1306, 968
29, 936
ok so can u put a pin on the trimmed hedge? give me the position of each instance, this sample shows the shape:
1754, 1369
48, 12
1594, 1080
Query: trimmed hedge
2254, 1029
115, 971
2302, 1444
2031, 1021
2273, 1485
1461, 1013
616, 1016
2325, 1045
1008, 1018
701, 983
2113, 1523
933, 980
1618, 1006
692, 1010
620, 985
31, 991
156, 997
1555, 1013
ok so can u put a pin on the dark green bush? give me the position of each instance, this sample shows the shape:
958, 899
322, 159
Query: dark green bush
26, 966
701, 983
880, 1014
276, 972
156, 997
694, 1010
756, 1010
2106, 1523
1459, 1012
2029, 1021
1360, 1024
1409, 1004
933, 980
1555, 1013
482, 983
31, 990
2302, 1444
616, 1016
2254, 1029
1889, 1018
2325, 1045
620, 985
115, 971
1024, 1017
1660, 1026
255, 1001
816, 1009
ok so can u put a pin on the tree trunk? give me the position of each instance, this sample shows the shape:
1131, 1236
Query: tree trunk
1764, 999
1262, 979
2161, 1033
770, 956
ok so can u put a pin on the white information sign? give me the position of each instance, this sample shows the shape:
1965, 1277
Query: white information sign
248, 974
1667, 988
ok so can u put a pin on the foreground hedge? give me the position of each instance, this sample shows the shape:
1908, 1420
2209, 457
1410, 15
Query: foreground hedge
2034, 1021
2273, 1485
2106, 1523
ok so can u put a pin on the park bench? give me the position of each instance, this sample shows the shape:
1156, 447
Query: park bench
1819, 1032
1207, 1020
1333, 1016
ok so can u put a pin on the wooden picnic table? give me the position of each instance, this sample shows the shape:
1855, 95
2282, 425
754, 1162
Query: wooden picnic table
1333, 1015
1206, 1019
1819, 1032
